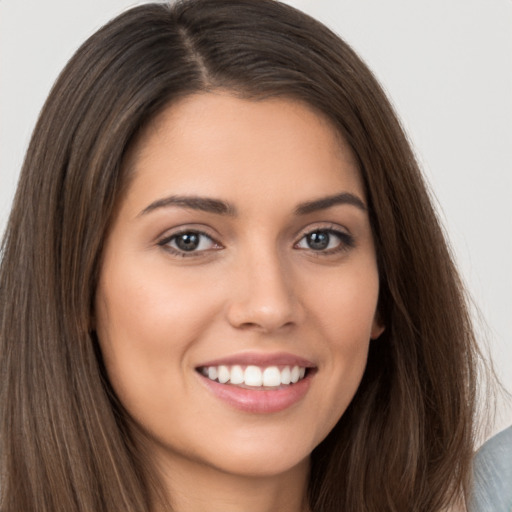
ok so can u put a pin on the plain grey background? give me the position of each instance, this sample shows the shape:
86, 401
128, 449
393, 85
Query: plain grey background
446, 65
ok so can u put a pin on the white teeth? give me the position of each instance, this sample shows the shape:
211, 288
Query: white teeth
271, 376
254, 376
285, 375
223, 374
237, 375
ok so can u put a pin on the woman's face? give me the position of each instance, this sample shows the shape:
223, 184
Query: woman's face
240, 260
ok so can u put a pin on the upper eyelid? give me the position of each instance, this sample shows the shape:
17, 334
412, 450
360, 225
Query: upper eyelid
327, 226
179, 230
342, 235
165, 243
168, 234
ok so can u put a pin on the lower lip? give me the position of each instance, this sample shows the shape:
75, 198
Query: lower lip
259, 400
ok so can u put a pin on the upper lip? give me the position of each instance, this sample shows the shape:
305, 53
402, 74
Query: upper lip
260, 359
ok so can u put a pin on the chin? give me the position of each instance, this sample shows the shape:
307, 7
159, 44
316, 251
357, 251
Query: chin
262, 465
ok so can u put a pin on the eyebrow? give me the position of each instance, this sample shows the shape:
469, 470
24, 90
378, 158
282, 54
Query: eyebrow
205, 204
329, 201
219, 207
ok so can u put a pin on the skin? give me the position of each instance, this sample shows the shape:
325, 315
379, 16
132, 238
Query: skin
254, 286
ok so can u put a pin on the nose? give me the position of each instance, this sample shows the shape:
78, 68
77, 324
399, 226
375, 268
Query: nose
264, 296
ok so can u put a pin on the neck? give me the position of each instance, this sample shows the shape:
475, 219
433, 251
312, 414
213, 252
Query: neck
197, 488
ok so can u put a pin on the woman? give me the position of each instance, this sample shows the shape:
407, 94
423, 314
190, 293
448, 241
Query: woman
223, 284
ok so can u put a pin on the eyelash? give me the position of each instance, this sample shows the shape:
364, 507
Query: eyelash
164, 243
346, 242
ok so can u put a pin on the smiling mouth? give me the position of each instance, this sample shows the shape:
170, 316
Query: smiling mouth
255, 377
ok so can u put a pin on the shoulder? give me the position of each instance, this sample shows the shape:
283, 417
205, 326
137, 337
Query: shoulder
493, 475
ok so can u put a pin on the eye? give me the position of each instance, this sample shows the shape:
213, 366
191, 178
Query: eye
188, 242
326, 240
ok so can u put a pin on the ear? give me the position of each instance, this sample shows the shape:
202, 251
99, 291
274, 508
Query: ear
377, 327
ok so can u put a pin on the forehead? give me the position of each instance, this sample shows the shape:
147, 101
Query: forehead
218, 144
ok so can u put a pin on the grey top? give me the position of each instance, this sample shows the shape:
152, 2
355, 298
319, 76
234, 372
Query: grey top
493, 475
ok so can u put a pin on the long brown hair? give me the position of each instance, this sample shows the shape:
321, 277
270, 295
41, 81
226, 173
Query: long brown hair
405, 441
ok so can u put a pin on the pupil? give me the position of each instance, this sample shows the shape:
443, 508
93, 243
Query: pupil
188, 241
318, 240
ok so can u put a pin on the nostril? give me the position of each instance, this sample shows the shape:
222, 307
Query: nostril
248, 326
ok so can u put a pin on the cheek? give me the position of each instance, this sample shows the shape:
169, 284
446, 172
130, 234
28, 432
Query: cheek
347, 308
345, 319
145, 326
150, 308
